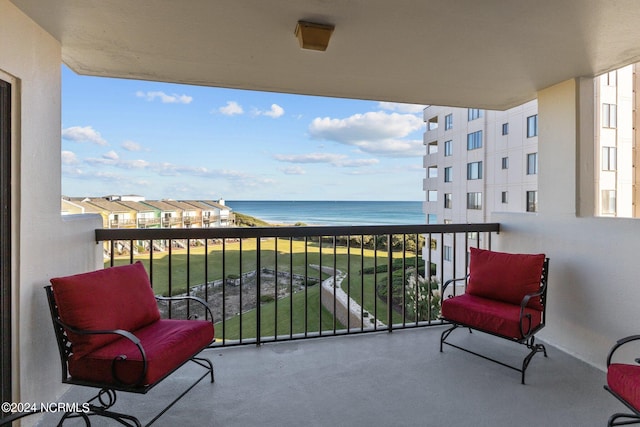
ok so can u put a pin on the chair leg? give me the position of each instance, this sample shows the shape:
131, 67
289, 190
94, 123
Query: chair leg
445, 335
535, 348
106, 398
205, 363
632, 419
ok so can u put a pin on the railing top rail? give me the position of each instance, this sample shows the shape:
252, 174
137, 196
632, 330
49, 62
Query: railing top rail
103, 234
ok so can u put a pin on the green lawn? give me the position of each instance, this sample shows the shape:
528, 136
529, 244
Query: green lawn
197, 267
315, 316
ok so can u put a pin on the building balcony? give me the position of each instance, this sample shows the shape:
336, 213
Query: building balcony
148, 222
362, 357
122, 223
381, 379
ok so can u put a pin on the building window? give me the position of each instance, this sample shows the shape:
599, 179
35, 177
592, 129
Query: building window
474, 170
532, 201
611, 78
532, 126
532, 163
433, 171
474, 140
433, 196
608, 202
447, 252
432, 219
505, 163
505, 197
474, 200
432, 123
609, 116
505, 128
432, 148
474, 113
608, 158
448, 148
448, 200
448, 174
448, 122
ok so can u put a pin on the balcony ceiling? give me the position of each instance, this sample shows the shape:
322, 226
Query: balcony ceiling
487, 54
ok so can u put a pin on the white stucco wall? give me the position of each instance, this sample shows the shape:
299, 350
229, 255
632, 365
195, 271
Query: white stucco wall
44, 245
593, 279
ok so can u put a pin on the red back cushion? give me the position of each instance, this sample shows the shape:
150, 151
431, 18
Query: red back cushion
113, 298
505, 277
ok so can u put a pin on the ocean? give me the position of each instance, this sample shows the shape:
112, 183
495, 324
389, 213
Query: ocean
338, 213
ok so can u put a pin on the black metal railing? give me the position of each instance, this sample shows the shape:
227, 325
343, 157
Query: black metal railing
284, 283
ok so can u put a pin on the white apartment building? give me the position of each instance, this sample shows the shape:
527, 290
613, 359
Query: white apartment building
482, 162
477, 162
616, 156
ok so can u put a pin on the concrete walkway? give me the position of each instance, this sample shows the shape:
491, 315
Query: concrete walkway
346, 306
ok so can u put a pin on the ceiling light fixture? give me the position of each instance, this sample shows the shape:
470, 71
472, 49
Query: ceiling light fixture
313, 36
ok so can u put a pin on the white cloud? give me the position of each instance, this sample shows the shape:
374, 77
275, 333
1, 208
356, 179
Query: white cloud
293, 170
136, 164
309, 158
83, 134
69, 158
111, 155
165, 98
131, 146
402, 108
356, 163
112, 159
72, 172
373, 132
338, 160
275, 111
232, 108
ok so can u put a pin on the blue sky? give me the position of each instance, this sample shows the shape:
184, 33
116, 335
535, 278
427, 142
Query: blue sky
163, 140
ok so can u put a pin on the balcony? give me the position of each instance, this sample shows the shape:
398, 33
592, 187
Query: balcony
381, 379
122, 223
148, 222
593, 275
354, 371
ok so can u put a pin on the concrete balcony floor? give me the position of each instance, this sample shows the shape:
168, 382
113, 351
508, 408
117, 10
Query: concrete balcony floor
379, 379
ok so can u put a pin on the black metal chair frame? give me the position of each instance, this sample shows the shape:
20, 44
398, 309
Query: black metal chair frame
528, 334
634, 417
100, 404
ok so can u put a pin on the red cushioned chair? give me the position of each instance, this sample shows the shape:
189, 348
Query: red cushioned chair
505, 296
623, 381
110, 336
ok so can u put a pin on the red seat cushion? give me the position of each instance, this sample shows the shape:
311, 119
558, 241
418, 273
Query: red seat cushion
168, 343
489, 315
625, 381
505, 277
113, 298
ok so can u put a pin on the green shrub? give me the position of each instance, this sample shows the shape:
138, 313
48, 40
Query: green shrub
267, 298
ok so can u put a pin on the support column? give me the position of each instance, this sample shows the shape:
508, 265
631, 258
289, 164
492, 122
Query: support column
566, 148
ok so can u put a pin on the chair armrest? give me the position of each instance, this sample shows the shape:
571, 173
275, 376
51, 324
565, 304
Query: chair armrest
188, 297
448, 282
619, 344
523, 305
126, 334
